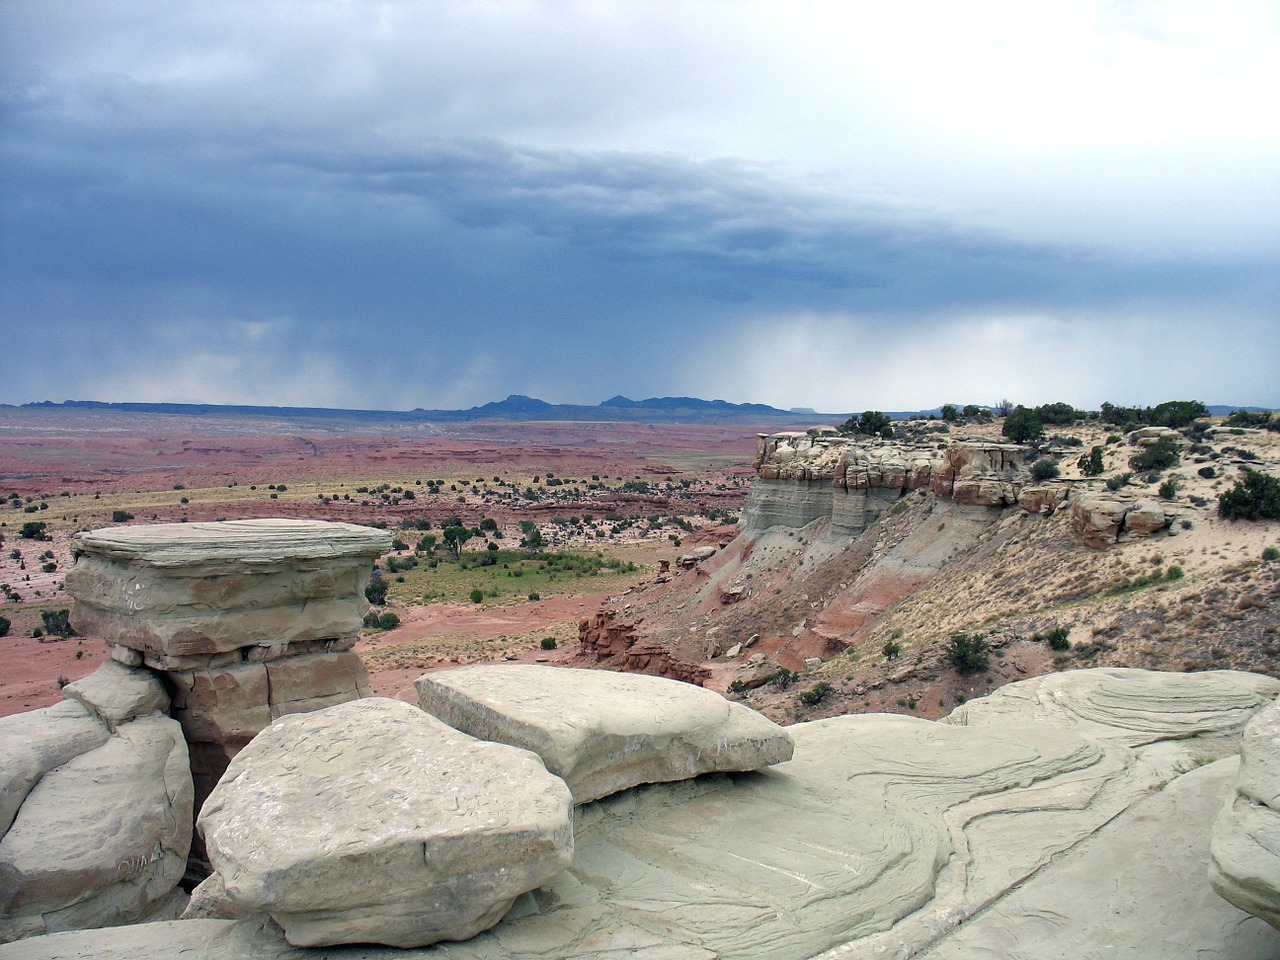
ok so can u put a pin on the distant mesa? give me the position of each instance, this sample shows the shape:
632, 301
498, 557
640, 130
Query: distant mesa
514, 407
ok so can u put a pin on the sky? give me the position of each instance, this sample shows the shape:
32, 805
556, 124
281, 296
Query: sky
838, 205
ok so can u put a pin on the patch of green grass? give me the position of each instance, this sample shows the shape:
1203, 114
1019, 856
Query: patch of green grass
513, 576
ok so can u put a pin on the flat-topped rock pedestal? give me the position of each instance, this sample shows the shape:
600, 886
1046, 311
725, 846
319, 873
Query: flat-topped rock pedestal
248, 620
195, 595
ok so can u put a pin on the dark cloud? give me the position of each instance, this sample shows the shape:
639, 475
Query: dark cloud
269, 212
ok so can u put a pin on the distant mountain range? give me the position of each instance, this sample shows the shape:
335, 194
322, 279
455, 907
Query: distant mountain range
517, 407
514, 407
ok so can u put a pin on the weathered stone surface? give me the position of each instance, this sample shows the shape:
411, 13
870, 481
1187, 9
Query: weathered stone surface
1097, 520
603, 731
227, 705
1136, 707
867, 476
32, 744
222, 709
102, 837
1042, 500
1145, 518
789, 503
117, 693
1244, 865
180, 590
373, 822
1045, 832
312, 682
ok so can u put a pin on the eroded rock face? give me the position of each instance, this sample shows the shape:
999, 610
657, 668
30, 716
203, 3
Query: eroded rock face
174, 591
603, 732
1101, 519
1097, 520
802, 478
1244, 864
116, 693
102, 837
371, 822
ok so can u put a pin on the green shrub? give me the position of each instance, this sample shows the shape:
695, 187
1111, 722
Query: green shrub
120, 516
1091, 463
57, 623
477, 595
1057, 639
548, 643
1173, 573
34, 530
376, 591
1114, 483
1169, 489
1207, 472
969, 652
534, 595
1022, 425
1268, 554
892, 650
1058, 413
1044, 469
1161, 455
1256, 497
815, 694
4, 626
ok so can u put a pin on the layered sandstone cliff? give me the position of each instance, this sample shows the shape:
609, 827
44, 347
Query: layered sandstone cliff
803, 477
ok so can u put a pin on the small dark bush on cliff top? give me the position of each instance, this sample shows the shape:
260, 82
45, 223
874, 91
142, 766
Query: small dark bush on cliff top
1256, 497
1161, 455
1044, 469
1022, 425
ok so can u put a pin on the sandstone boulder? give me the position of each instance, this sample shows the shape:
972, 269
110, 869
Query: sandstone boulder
32, 744
602, 731
176, 591
102, 837
1097, 520
117, 693
1145, 518
1244, 864
371, 822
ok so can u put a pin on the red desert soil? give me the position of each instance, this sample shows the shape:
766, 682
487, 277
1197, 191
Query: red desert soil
477, 624
142, 461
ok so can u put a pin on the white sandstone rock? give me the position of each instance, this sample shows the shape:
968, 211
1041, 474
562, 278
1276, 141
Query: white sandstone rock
101, 838
182, 590
1062, 822
32, 744
1244, 864
602, 731
117, 693
371, 822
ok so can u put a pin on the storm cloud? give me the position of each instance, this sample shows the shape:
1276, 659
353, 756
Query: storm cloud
401, 205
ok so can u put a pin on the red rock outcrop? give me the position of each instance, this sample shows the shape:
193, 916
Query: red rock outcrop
605, 638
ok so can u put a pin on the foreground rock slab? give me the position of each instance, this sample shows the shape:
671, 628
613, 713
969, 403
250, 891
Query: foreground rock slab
179, 594
1245, 856
601, 731
371, 822
102, 837
1072, 825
